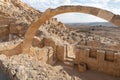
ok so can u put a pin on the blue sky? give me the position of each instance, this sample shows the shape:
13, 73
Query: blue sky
110, 5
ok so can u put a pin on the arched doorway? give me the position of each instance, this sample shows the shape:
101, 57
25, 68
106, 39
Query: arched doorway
109, 16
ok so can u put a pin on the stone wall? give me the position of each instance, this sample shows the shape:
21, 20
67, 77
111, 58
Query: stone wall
61, 52
99, 42
16, 16
4, 33
102, 60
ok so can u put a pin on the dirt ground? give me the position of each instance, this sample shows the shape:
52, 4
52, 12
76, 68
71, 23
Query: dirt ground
88, 75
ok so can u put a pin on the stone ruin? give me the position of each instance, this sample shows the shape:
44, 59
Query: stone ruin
94, 58
51, 42
48, 49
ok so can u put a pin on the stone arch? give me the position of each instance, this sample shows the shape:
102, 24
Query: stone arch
109, 16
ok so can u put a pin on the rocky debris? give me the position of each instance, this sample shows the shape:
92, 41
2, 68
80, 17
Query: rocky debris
77, 36
18, 10
25, 67
16, 16
10, 44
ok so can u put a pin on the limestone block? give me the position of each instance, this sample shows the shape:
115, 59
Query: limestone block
77, 52
116, 20
109, 56
85, 9
93, 43
84, 54
116, 72
82, 9
49, 42
92, 63
105, 15
88, 10
94, 11
51, 60
117, 57
70, 51
92, 60
60, 52
4, 31
82, 67
93, 53
4, 21
41, 54
83, 42
100, 55
108, 66
17, 29
87, 51
35, 42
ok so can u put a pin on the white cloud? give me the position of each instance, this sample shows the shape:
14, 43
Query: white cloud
42, 5
115, 0
56, 3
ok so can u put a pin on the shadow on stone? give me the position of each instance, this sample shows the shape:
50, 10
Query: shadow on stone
5, 73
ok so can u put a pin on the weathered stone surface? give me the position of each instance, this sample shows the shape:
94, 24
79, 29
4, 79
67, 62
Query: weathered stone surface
4, 33
105, 15
82, 67
17, 29
93, 53
4, 21
55, 39
16, 16
99, 60
26, 67
61, 52
109, 55
116, 20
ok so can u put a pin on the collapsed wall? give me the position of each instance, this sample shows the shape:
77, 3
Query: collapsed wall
15, 17
26, 67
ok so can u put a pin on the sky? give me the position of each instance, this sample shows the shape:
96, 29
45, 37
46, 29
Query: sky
110, 5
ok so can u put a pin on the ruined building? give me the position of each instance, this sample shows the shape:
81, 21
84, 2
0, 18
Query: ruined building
24, 30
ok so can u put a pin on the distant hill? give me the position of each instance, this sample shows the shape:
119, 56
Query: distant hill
107, 24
